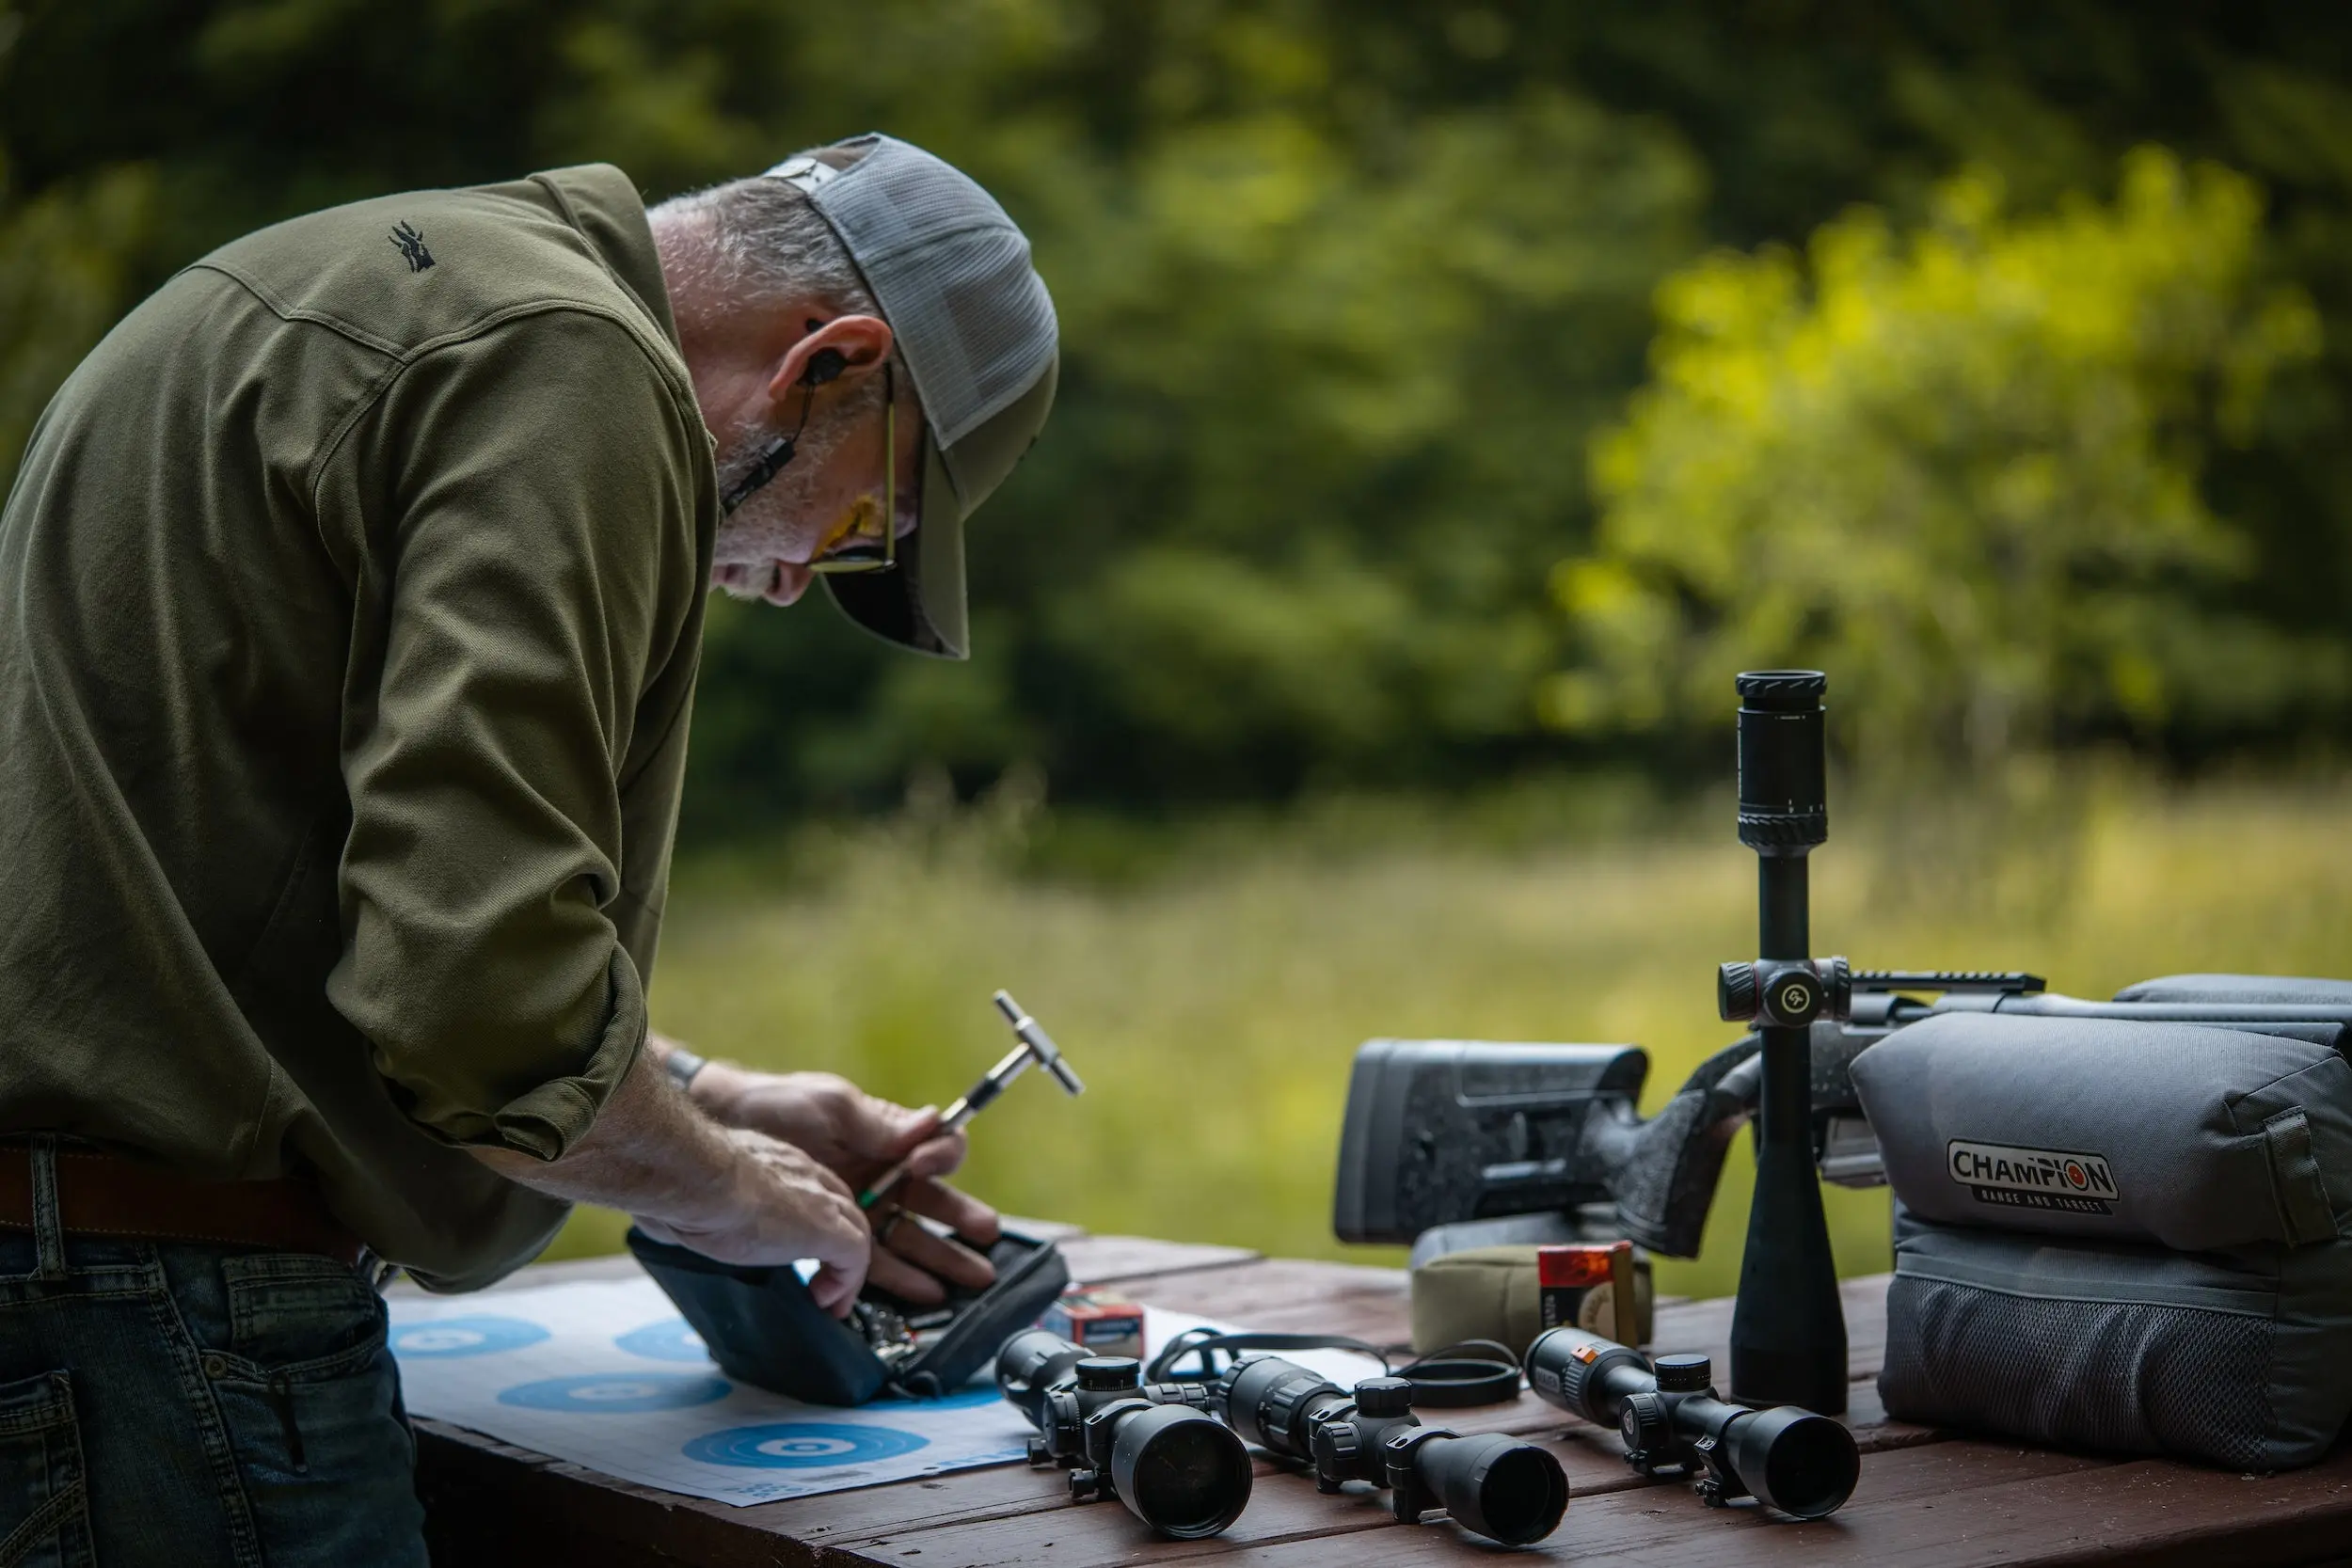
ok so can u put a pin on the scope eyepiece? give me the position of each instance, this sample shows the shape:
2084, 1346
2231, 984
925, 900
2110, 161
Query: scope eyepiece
1585, 1374
1029, 1366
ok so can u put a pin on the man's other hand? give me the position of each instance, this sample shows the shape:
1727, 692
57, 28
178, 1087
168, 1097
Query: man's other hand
859, 1137
730, 1192
779, 1205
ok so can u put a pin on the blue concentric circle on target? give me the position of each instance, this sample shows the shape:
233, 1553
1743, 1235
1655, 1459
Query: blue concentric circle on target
438, 1338
674, 1340
617, 1393
801, 1445
963, 1398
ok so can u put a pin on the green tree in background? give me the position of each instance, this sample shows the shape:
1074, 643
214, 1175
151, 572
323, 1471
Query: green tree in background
1964, 468
1347, 287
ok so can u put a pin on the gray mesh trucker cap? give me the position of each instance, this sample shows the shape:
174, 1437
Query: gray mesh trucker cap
976, 329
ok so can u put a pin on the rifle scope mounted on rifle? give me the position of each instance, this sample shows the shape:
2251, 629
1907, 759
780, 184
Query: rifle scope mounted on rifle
1788, 1324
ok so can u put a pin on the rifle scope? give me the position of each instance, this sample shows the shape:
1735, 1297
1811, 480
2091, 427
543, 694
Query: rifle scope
1787, 1458
1153, 1446
1492, 1486
1788, 1325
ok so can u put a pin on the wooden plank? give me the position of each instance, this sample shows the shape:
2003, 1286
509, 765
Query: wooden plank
1124, 1260
1297, 1295
1283, 1509
1948, 1505
1663, 1527
475, 1486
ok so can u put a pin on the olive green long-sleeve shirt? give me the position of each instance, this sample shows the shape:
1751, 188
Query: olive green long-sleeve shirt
350, 596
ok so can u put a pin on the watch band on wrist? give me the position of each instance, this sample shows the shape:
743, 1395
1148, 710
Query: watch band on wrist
681, 1065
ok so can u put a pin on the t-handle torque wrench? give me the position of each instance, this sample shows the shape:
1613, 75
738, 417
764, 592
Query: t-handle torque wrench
1036, 1047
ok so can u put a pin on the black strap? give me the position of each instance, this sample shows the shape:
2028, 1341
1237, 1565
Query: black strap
1208, 1343
1475, 1372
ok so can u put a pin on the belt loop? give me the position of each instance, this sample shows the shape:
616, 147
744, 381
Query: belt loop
48, 1224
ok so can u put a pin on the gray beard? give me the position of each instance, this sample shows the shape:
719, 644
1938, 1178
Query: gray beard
775, 521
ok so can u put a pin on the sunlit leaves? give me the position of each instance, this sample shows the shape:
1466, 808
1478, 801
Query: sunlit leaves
1959, 467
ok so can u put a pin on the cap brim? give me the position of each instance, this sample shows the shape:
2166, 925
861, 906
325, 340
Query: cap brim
920, 605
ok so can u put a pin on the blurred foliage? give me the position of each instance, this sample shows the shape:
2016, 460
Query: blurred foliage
1348, 285
1961, 469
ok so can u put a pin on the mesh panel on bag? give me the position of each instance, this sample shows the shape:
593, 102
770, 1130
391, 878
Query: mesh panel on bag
2122, 1377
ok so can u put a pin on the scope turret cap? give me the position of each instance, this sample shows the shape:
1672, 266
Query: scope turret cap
976, 330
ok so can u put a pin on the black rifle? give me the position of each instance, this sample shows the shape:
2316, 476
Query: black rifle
1444, 1133
1458, 1142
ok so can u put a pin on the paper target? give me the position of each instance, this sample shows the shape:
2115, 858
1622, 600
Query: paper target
629, 1393
803, 1445
441, 1337
674, 1340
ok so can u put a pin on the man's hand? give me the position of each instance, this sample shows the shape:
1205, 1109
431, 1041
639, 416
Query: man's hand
782, 1206
732, 1194
859, 1137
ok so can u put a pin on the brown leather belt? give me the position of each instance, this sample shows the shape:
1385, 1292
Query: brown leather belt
104, 1194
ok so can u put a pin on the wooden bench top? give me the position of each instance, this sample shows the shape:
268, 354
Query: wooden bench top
1924, 1499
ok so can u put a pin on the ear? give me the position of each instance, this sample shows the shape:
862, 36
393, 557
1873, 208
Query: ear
858, 345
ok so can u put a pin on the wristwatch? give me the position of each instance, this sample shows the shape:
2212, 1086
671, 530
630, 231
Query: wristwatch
681, 1065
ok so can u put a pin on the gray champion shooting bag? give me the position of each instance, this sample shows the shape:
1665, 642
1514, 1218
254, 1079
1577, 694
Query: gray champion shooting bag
2126, 1236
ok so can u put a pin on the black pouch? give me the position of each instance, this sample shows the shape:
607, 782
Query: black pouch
763, 1327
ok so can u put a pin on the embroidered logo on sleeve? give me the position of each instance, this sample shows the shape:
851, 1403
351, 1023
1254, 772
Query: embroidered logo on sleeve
411, 244
2033, 1178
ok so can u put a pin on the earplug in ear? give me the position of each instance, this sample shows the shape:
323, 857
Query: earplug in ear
824, 365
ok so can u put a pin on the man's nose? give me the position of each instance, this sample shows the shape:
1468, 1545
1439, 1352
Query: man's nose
791, 582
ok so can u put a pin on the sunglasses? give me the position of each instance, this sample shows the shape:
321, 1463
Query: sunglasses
858, 554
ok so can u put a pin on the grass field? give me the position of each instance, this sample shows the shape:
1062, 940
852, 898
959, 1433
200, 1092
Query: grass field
1214, 1000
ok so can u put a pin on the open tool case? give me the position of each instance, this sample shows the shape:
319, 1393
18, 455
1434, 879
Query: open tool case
763, 1327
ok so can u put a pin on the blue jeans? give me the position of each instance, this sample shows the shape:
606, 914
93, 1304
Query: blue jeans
178, 1403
